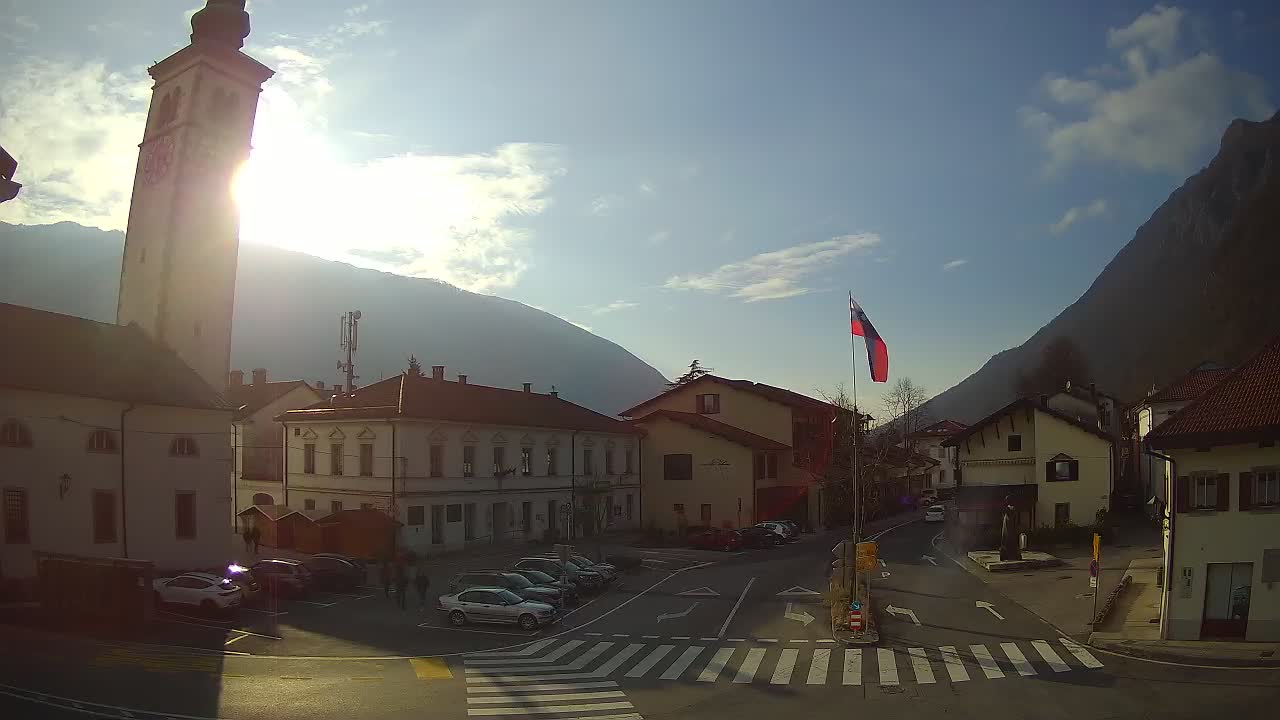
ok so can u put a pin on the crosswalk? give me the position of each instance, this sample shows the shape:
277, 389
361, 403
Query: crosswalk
578, 671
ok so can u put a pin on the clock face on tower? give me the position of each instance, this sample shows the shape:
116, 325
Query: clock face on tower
157, 158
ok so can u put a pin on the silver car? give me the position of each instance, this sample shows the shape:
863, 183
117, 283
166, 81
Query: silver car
495, 605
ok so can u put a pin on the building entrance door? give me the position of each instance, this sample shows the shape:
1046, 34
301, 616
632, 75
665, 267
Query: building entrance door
1226, 600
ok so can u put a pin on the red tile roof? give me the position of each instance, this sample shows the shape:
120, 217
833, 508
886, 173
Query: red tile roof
942, 428
715, 427
769, 392
55, 353
1244, 406
1189, 386
1025, 402
427, 398
250, 398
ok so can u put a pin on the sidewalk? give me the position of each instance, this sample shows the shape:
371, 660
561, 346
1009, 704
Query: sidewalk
1061, 595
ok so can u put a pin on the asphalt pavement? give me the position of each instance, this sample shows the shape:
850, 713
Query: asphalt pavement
711, 635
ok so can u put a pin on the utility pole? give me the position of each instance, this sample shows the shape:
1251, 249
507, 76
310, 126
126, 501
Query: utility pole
348, 334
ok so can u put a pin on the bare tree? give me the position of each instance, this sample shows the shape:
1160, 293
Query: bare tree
904, 404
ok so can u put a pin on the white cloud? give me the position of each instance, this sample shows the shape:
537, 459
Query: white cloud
774, 275
605, 204
659, 237
647, 188
74, 130
953, 264
1095, 209
614, 306
1158, 114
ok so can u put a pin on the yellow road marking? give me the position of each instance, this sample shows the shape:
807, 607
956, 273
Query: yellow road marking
431, 669
293, 677
366, 678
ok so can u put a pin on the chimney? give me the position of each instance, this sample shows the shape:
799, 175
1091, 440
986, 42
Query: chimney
237, 378
554, 393
1093, 390
528, 387
259, 376
462, 379
437, 372
319, 384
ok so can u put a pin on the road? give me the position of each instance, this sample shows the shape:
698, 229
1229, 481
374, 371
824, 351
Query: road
711, 635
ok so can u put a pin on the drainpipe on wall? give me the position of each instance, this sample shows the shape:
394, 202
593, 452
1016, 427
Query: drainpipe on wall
235, 479
124, 506
640, 474
1171, 507
395, 532
573, 483
284, 461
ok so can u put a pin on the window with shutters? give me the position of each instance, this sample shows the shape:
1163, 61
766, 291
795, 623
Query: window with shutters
1062, 468
1204, 492
708, 404
335, 459
552, 470
468, 461
366, 459
309, 504
17, 517
526, 461
102, 441
183, 446
1266, 488
588, 461
15, 434
1015, 443
437, 461
309, 458
184, 515
677, 467
626, 462
499, 460
608, 461
366, 506
335, 506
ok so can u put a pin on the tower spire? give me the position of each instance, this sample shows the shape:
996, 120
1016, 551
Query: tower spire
221, 22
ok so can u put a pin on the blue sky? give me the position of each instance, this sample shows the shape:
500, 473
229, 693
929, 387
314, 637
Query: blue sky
687, 179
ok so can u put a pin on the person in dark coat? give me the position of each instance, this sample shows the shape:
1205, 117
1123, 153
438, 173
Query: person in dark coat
255, 535
421, 582
402, 584
384, 573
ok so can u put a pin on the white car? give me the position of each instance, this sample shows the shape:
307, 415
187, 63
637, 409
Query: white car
209, 592
935, 513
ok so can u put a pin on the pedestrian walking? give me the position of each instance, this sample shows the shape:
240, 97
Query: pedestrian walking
247, 534
402, 584
384, 574
421, 582
255, 535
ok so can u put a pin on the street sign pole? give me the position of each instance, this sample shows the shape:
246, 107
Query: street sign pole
1095, 571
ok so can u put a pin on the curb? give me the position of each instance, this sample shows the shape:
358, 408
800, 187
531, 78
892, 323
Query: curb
1157, 654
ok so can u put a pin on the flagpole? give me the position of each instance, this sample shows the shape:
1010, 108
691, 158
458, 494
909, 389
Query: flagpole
857, 423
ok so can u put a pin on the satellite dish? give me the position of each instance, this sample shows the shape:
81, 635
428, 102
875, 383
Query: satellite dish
357, 314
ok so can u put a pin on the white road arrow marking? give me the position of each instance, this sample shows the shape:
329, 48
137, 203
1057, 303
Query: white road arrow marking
930, 559
903, 611
703, 591
669, 616
884, 574
801, 616
987, 605
881, 562
797, 591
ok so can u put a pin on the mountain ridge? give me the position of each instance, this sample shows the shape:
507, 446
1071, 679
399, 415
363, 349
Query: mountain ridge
72, 269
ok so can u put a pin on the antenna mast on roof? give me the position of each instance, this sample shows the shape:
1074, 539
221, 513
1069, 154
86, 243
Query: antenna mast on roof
348, 334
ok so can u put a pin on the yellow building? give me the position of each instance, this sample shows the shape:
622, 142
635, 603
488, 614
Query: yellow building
1055, 468
1222, 540
732, 453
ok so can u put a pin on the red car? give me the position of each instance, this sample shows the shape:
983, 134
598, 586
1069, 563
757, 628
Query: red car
715, 539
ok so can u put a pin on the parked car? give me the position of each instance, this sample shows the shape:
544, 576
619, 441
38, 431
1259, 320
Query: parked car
515, 582
331, 573
495, 605
935, 513
291, 577
716, 539
927, 498
585, 580
606, 571
338, 556
207, 591
537, 577
789, 526
779, 529
758, 537
243, 578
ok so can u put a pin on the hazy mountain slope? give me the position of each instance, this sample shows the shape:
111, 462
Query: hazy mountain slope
1197, 282
288, 305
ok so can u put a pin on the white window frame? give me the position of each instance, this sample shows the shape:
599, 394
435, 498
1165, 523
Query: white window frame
1266, 488
1200, 498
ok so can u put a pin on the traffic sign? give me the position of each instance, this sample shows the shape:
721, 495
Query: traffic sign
868, 549
855, 605
1097, 543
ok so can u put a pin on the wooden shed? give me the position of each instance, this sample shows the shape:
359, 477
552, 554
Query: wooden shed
367, 534
267, 519
302, 529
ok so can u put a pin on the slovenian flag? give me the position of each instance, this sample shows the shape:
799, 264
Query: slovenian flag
877, 351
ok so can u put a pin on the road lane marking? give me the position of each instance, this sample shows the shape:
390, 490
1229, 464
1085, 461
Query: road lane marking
682, 663
747, 671
1085, 657
955, 668
713, 668
594, 634
766, 640
853, 666
798, 641
736, 605
1014, 653
818, 668
547, 659
650, 660
583, 660
920, 665
524, 709
681, 637
431, 669
235, 639
621, 635
477, 689
786, 665
1051, 657
529, 650
986, 662
429, 626
888, 666
518, 698
616, 661
649, 637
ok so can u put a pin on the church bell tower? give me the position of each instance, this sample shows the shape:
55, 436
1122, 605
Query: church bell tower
178, 276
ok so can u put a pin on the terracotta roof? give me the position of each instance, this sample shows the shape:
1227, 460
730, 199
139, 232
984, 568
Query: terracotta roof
427, 398
942, 428
1244, 406
1189, 386
274, 512
899, 456
50, 352
769, 392
1020, 403
715, 427
249, 398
